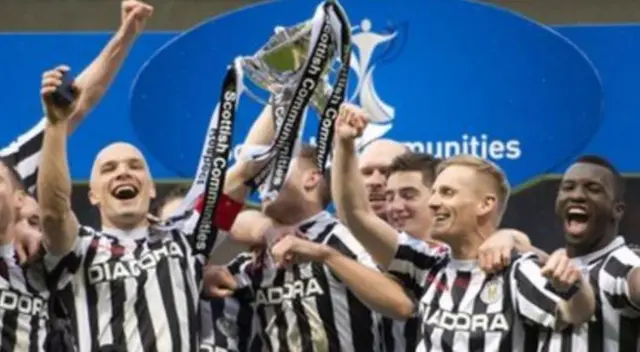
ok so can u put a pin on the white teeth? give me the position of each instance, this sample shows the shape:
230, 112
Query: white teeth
441, 217
577, 211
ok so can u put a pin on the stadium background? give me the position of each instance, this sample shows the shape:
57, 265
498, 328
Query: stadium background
530, 210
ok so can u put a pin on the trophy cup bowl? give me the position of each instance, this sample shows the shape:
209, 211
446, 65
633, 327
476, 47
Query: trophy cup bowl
276, 65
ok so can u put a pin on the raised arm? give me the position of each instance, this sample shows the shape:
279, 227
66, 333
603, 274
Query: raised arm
93, 81
372, 287
60, 226
230, 204
261, 133
348, 191
96, 78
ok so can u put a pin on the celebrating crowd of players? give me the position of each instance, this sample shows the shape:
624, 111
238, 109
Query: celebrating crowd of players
413, 259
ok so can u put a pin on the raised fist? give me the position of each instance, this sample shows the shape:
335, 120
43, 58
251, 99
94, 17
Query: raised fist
51, 80
351, 122
134, 16
561, 270
293, 249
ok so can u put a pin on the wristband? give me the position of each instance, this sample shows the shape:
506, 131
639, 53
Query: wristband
226, 212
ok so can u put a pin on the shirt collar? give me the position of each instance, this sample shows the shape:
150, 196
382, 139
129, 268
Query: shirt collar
593, 256
124, 235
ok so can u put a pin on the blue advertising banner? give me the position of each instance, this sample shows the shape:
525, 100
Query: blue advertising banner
418, 67
450, 78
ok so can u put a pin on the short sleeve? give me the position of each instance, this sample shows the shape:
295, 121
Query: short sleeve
343, 241
414, 260
62, 268
614, 281
227, 323
535, 299
24, 154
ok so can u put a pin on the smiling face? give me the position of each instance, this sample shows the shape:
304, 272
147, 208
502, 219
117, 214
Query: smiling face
121, 186
469, 197
374, 164
411, 176
408, 203
588, 205
453, 203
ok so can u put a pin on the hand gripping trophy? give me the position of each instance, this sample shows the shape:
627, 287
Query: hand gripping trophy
293, 68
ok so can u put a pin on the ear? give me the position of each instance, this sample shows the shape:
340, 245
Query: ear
152, 190
488, 204
618, 211
93, 198
311, 179
19, 198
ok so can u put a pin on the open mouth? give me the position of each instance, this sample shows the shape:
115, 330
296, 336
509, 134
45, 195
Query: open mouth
576, 220
441, 217
125, 192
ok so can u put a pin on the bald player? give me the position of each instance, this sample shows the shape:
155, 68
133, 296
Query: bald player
132, 285
374, 162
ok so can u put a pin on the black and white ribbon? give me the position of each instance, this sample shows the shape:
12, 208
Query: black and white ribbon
330, 30
214, 157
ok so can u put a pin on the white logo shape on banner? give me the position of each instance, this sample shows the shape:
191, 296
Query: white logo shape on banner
381, 113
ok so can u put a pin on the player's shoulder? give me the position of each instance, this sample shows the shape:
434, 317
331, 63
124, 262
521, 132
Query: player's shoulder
525, 261
89, 231
340, 235
421, 246
627, 255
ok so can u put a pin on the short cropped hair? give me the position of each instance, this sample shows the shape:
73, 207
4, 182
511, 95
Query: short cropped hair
423, 163
485, 167
620, 187
309, 153
15, 177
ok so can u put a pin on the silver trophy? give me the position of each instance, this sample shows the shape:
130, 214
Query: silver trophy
276, 66
293, 67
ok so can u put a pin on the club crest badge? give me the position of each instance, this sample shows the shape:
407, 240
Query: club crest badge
492, 291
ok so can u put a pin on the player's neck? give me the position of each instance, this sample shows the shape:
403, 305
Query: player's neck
602, 242
304, 211
124, 225
465, 250
421, 235
468, 243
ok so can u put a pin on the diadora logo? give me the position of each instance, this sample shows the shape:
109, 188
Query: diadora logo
297, 289
114, 270
434, 317
23, 303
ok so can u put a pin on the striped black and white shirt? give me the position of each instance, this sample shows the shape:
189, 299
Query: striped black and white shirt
615, 326
135, 291
23, 304
401, 335
463, 309
24, 154
23, 292
229, 324
301, 308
